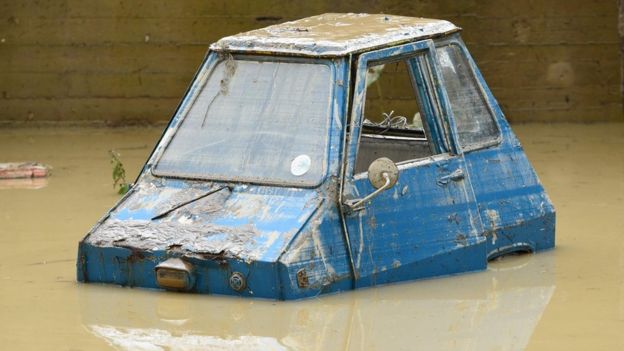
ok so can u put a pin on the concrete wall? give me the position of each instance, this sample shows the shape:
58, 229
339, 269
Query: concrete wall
123, 61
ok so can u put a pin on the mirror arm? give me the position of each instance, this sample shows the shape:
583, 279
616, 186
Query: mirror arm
356, 204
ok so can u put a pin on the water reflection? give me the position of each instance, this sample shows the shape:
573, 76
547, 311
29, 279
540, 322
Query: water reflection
497, 309
23, 183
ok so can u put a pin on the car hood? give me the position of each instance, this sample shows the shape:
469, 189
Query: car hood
252, 223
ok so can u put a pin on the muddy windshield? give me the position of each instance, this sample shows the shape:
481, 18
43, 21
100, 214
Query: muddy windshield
252, 121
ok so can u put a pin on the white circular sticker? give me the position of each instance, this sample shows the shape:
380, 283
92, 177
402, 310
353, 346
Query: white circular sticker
300, 165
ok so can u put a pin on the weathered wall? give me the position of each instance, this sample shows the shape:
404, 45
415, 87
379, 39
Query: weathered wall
119, 61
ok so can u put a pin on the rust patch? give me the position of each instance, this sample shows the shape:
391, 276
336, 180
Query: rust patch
83, 264
135, 255
372, 222
219, 257
174, 248
461, 239
302, 278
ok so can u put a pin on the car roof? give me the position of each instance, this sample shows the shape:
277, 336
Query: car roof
335, 34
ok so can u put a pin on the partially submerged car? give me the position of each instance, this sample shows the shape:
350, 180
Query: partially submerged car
330, 153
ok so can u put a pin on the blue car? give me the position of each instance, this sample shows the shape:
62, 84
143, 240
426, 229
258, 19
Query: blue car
330, 153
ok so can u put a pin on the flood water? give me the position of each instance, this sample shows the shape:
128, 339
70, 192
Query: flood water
571, 298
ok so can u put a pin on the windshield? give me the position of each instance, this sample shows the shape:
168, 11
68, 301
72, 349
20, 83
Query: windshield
253, 121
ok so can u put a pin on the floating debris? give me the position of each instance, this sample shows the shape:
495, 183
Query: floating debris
17, 170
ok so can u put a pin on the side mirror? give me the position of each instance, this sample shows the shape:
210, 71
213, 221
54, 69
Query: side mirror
382, 174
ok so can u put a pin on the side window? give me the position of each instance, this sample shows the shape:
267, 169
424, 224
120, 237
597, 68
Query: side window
393, 115
474, 120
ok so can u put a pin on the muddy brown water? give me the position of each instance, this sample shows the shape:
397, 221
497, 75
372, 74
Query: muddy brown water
571, 298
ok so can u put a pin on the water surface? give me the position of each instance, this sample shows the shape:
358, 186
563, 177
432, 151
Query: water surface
571, 298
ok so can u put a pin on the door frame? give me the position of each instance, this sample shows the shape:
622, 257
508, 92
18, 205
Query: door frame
446, 128
442, 117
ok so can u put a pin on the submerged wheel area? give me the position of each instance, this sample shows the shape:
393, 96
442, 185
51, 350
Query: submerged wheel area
514, 250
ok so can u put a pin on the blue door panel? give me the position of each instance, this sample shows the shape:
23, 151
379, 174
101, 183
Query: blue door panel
425, 217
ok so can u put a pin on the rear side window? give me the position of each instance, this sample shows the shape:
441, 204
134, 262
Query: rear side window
474, 119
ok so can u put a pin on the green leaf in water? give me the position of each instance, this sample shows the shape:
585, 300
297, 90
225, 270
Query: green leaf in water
119, 173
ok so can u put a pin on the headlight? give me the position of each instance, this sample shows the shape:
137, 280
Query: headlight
175, 274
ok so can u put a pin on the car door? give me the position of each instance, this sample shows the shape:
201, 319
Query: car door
427, 224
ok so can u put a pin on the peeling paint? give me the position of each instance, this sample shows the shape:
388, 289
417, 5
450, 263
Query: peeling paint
196, 238
493, 217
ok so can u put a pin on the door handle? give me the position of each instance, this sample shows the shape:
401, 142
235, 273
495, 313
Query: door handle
455, 176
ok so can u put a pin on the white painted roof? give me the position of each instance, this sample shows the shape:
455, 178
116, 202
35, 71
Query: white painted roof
334, 34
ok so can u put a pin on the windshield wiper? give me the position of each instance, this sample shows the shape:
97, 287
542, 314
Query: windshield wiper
189, 201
